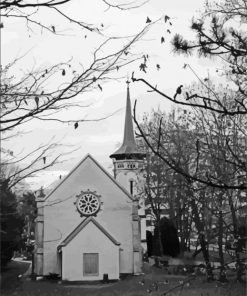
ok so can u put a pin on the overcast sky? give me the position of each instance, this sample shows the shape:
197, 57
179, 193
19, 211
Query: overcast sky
100, 138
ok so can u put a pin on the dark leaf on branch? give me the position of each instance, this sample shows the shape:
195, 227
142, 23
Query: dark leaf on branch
44, 159
143, 67
63, 72
132, 77
170, 23
179, 90
53, 29
148, 20
197, 26
168, 31
158, 67
100, 87
162, 39
37, 101
166, 18
76, 125
180, 44
117, 68
94, 79
102, 25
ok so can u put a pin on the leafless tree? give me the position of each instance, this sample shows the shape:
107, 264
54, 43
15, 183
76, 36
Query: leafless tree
220, 34
45, 93
28, 11
207, 151
199, 171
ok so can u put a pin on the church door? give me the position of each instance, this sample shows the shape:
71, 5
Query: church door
90, 264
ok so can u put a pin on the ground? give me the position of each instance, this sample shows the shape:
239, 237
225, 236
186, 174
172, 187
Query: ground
153, 282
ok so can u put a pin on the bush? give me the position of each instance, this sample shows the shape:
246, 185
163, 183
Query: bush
169, 239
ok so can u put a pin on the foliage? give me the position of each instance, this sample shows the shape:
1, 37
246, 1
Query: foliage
220, 35
197, 144
169, 238
11, 224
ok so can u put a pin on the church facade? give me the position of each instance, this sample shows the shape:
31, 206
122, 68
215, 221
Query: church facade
88, 226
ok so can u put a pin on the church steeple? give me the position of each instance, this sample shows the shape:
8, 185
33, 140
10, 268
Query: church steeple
128, 149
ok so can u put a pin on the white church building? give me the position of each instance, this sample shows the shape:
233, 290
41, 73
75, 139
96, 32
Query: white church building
88, 226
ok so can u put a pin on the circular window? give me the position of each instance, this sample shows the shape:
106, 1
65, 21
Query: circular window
88, 204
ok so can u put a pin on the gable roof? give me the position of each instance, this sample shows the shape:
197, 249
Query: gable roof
83, 224
88, 156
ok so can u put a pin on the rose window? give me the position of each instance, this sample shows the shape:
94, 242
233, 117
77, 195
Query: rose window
88, 204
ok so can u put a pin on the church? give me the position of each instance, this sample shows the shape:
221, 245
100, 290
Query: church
88, 227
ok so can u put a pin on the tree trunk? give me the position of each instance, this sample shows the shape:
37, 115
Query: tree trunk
239, 264
159, 240
222, 275
159, 247
200, 228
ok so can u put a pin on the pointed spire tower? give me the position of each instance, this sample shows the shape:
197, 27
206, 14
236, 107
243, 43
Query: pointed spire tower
128, 160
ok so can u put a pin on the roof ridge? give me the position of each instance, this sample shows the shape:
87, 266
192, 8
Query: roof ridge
88, 155
82, 225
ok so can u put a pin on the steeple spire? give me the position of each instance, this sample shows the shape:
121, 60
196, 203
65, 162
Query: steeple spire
128, 149
129, 139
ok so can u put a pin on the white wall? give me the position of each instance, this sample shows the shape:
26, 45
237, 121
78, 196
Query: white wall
61, 216
90, 240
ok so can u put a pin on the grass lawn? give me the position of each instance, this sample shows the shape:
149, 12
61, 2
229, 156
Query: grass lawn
153, 282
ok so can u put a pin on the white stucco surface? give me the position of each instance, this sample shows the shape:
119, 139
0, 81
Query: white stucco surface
61, 218
90, 240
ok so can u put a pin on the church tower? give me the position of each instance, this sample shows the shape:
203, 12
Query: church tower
128, 160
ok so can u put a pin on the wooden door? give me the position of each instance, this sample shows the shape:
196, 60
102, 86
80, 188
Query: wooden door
90, 264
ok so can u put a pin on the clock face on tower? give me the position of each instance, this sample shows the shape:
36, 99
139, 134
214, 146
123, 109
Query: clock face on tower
88, 203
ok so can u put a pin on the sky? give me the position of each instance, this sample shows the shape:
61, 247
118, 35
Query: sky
101, 138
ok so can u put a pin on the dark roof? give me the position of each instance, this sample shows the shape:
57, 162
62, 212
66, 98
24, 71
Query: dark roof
128, 148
